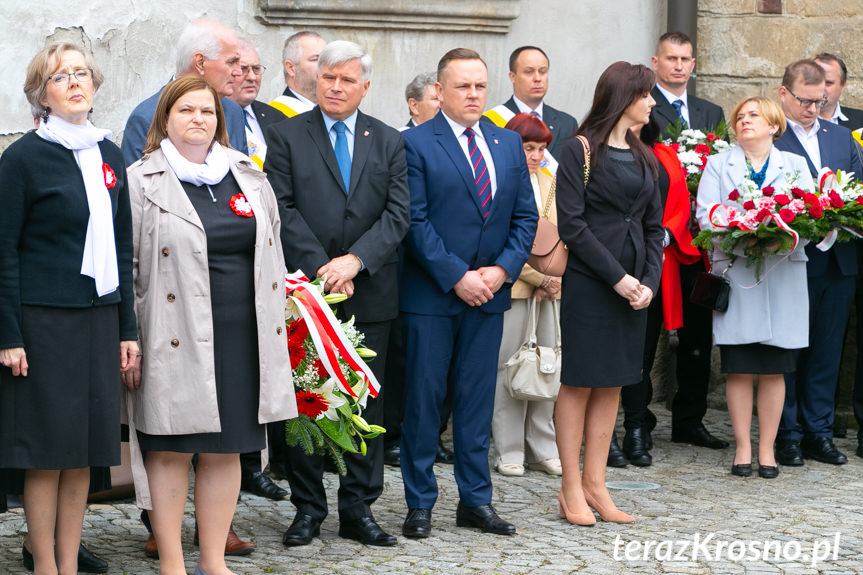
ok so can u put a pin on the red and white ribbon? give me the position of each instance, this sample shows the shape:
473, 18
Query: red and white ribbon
719, 218
329, 338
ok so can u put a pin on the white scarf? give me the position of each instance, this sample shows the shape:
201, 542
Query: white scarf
211, 172
100, 251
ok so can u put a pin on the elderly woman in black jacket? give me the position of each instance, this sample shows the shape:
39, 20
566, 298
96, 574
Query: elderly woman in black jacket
67, 322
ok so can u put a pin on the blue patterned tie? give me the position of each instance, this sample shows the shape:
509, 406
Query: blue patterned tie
343, 156
480, 171
678, 105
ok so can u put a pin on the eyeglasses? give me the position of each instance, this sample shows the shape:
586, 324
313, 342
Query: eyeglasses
257, 69
81, 77
804, 103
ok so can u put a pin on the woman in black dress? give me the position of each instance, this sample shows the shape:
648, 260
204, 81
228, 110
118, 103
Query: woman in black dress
613, 229
210, 292
67, 323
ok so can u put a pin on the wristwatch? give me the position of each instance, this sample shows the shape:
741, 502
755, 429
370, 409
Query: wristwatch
666, 238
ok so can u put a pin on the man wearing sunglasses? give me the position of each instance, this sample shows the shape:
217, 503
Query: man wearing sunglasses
806, 429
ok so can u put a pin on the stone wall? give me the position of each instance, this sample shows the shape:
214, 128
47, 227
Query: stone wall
133, 43
744, 45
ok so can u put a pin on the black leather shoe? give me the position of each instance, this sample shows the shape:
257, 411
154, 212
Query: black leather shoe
635, 448
444, 454
260, 484
860, 449
367, 531
302, 530
741, 469
616, 458
768, 471
699, 436
483, 517
822, 449
392, 455
417, 524
87, 562
788, 453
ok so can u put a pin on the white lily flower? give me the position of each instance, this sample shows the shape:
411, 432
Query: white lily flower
335, 400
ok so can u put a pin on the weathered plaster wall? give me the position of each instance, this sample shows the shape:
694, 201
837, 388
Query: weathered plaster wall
132, 42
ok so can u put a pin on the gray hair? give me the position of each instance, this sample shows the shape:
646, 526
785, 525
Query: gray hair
291, 51
198, 36
417, 87
244, 44
45, 62
342, 51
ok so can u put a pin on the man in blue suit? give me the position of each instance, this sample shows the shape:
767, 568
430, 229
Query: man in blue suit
806, 429
473, 220
220, 68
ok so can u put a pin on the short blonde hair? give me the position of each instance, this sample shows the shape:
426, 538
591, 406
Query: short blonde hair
769, 110
43, 64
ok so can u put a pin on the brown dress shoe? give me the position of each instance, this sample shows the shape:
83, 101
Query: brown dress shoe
150, 549
234, 546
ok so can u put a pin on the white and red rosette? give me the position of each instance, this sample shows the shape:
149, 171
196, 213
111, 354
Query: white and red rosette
241, 206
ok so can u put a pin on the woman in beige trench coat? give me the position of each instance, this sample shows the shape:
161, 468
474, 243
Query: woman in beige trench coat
210, 292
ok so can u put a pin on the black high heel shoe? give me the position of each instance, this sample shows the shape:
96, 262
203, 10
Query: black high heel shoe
768, 471
741, 469
87, 562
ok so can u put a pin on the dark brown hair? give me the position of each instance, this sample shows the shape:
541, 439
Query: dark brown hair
513, 58
530, 128
808, 71
678, 38
173, 92
617, 88
828, 57
457, 54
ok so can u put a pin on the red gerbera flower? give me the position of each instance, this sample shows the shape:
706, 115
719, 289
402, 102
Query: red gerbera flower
298, 331
311, 403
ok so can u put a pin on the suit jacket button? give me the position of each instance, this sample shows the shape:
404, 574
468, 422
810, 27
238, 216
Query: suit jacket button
175, 342
171, 297
279, 330
347, 216
271, 241
627, 219
166, 252
275, 286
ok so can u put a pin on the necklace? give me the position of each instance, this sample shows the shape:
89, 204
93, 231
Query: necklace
759, 176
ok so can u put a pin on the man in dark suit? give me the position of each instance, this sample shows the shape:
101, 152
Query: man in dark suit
421, 97
194, 56
300, 55
806, 429
258, 117
528, 72
673, 64
836, 75
473, 220
341, 183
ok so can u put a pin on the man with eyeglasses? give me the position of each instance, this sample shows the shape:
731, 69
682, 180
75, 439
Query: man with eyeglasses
806, 428
196, 55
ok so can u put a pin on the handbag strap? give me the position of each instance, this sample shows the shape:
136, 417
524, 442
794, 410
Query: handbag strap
548, 201
558, 340
586, 145
530, 325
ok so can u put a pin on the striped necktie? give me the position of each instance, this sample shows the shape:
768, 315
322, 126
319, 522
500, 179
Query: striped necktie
480, 171
678, 105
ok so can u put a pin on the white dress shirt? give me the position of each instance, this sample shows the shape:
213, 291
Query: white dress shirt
458, 130
684, 110
525, 109
254, 134
809, 140
350, 132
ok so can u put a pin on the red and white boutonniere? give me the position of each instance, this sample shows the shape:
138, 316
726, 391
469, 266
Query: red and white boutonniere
110, 176
241, 206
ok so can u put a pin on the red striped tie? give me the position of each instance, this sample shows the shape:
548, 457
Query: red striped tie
480, 171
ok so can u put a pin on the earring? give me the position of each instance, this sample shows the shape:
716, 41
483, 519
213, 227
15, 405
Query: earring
45, 115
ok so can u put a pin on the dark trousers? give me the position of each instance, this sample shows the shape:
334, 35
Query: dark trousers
364, 482
251, 462
462, 349
857, 397
394, 402
636, 398
810, 392
693, 356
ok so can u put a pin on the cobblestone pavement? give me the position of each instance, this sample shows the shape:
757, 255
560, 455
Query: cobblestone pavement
695, 497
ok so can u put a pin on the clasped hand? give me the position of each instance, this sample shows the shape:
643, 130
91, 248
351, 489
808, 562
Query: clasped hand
638, 295
340, 273
477, 287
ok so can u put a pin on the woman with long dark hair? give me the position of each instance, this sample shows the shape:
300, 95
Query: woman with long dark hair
613, 228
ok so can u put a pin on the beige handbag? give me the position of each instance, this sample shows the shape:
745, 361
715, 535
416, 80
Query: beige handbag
533, 372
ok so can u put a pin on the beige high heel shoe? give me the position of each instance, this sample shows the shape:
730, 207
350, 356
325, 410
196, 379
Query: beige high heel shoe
585, 519
610, 515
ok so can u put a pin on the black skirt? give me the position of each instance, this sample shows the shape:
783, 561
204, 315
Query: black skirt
66, 413
756, 358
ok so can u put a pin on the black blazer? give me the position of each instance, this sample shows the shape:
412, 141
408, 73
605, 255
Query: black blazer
594, 223
561, 125
267, 116
43, 225
855, 118
320, 222
703, 115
